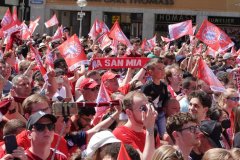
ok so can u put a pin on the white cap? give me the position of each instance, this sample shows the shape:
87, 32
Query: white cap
98, 140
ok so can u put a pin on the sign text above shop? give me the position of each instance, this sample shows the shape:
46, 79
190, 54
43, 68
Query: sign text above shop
169, 2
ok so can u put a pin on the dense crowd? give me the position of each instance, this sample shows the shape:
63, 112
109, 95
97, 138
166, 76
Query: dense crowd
164, 110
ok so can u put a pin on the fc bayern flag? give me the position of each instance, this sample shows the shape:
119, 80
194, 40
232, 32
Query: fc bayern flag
102, 97
25, 34
58, 34
104, 41
7, 18
73, 52
214, 37
207, 75
95, 30
50, 58
51, 22
117, 34
180, 29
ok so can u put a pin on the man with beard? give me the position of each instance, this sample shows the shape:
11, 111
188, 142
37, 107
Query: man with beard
139, 129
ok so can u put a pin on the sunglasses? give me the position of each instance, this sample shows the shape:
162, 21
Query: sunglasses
41, 127
192, 129
236, 99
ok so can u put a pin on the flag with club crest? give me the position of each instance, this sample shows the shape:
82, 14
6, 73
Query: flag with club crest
52, 21
101, 97
214, 37
95, 30
104, 41
207, 75
73, 52
33, 25
39, 62
122, 154
117, 34
180, 29
7, 18
58, 34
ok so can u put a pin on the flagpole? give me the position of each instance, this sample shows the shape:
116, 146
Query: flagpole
81, 14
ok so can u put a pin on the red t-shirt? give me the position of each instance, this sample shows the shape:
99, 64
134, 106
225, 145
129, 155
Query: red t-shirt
58, 155
23, 141
128, 136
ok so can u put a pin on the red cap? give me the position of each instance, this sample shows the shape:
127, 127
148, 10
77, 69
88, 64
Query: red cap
109, 75
88, 83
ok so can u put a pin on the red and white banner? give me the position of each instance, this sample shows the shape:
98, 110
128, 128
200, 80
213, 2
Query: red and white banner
95, 30
58, 34
104, 41
116, 63
102, 97
39, 63
7, 18
180, 29
117, 34
73, 52
51, 22
50, 58
151, 43
214, 37
165, 39
33, 25
206, 74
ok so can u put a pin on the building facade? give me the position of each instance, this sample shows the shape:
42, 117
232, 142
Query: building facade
138, 18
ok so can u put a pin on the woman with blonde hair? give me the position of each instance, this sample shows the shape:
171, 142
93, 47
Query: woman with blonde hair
217, 154
235, 152
167, 152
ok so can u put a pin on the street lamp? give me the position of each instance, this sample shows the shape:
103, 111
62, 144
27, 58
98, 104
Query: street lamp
22, 8
81, 14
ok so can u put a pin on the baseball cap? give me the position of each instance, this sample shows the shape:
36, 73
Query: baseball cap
88, 83
109, 75
37, 116
213, 130
100, 139
227, 56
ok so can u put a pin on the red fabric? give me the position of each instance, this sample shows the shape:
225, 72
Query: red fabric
170, 89
123, 153
124, 89
180, 29
117, 34
128, 136
33, 25
214, 37
52, 22
73, 52
23, 141
95, 30
7, 18
58, 156
58, 34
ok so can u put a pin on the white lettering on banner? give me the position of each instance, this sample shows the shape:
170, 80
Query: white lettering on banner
96, 64
133, 62
113, 63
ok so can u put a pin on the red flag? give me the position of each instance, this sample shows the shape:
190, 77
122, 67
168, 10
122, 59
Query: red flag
104, 28
152, 42
51, 22
211, 52
214, 37
123, 155
39, 62
206, 74
95, 30
180, 29
7, 18
58, 34
73, 52
117, 34
144, 45
25, 34
33, 25
233, 51
15, 16
166, 47
102, 97
114, 46
104, 41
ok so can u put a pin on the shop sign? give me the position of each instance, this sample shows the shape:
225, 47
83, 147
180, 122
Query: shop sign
36, 1
233, 21
172, 18
164, 2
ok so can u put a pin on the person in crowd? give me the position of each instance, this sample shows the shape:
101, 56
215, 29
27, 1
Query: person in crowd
171, 107
229, 62
156, 90
5, 71
166, 152
199, 104
184, 131
156, 52
141, 114
13, 126
217, 154
134, 50
40, 131
121, 50
110, 81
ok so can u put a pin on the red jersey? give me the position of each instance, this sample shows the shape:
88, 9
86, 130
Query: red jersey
128, 136
58, 155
